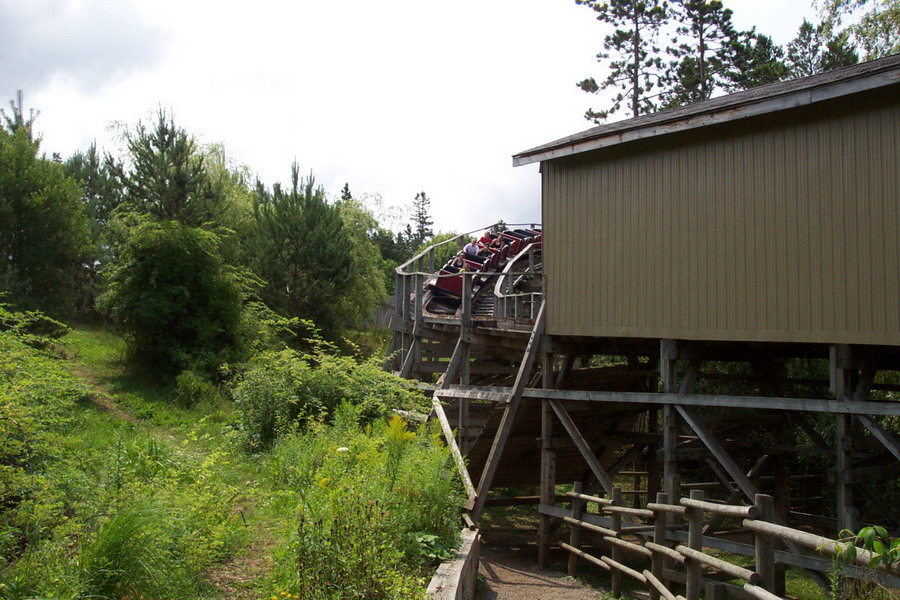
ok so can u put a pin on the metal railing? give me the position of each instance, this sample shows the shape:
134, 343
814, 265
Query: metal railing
518, 305
411, 276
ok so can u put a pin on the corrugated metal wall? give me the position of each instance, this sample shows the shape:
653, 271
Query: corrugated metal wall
787, 234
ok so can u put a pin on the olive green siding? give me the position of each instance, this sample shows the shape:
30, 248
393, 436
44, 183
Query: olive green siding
784, 232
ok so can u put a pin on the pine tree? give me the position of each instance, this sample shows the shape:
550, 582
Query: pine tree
634, 64
704, 32
815, 50
755, 60
17, 119
839, 52
805, 51
345, 192
421, 219
302, 250
168, 178
43, 230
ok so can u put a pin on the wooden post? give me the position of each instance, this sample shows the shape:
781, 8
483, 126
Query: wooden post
462, 437
418, 282
695, 542
616, 551
670, 419
431, 265
659, 537
509, 415
548, 464
466, 313
653, 462
404, 297
765, 544
842, 383
575, 530
715, 590
398, 296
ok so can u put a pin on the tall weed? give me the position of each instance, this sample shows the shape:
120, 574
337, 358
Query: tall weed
125, 558
374, 506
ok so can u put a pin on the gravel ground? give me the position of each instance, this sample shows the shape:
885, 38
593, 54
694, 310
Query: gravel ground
510, 574
509, 569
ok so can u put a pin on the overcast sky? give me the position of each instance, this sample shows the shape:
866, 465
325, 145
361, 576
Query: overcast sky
393, 96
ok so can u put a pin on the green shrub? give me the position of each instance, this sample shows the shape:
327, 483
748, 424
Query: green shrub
193, 388
281, 391
175, 300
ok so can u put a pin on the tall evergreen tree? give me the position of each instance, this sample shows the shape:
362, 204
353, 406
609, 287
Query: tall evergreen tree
704, 32
302, 250
815, 50
421, 218
98, 177
101, 193
16, 119
840, 51
167, 178
634, 64
43, 230
755, 60
345, 192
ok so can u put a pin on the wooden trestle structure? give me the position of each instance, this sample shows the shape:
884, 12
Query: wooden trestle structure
638, 417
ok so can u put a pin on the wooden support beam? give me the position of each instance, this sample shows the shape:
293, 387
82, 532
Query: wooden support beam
743, 482
794, 405
718, 451
736, 493
880, 434
583, 446
409, 361
509, 415
452, 366
454, 450
842, 383
874, 499
668, 352
548, 466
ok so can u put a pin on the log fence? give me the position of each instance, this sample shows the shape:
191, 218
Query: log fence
670, 537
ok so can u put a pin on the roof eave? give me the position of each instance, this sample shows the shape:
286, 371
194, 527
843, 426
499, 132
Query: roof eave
712, 116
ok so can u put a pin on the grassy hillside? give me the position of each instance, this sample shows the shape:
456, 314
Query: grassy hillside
114, 485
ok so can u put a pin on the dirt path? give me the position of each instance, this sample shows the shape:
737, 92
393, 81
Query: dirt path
101, 397
509, 569
238, 577
514, 575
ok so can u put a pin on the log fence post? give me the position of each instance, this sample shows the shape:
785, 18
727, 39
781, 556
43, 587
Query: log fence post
657, 561
695, 542
765, 543
616, 551
575, 530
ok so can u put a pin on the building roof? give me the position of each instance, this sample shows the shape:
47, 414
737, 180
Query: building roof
756, 101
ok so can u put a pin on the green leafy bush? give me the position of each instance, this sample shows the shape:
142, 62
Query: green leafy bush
175, 300
281, 391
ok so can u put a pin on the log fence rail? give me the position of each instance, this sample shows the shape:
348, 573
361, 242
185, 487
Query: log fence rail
670, 537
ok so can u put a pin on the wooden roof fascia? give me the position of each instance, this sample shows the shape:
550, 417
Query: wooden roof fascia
724, 109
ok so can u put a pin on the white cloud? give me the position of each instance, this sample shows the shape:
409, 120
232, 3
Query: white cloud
393, 97
86, 43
